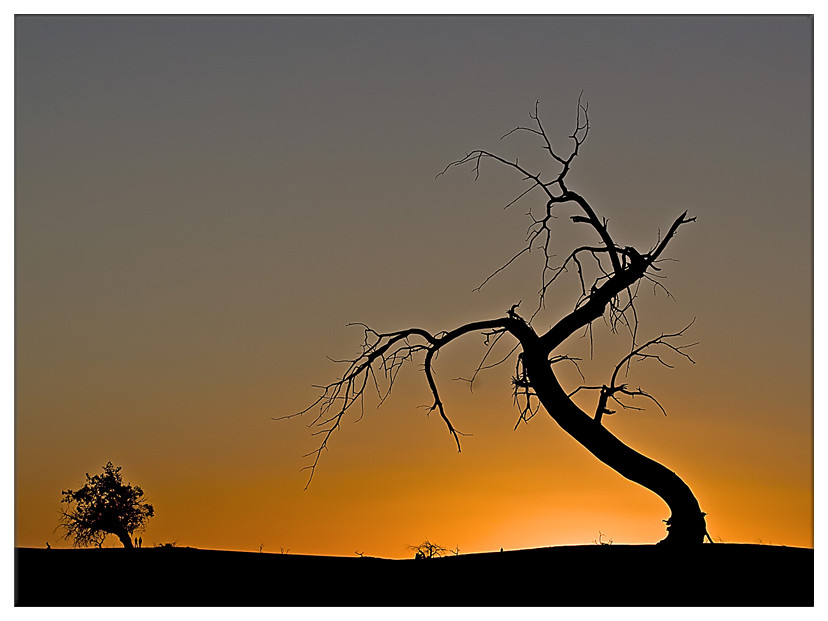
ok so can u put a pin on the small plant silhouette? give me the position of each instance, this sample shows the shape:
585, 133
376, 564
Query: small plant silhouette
427, 549
600, 541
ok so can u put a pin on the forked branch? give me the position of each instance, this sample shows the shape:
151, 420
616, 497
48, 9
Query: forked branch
648, 351
626, 265
555, 193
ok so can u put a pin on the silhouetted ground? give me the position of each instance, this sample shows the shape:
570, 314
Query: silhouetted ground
617, 575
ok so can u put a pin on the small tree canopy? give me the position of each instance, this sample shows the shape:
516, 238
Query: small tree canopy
104, 505
427, 549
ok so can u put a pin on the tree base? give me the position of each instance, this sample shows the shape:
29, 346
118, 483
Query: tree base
688, 530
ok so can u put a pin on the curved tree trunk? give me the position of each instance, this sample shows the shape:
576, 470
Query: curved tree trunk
686, 524
627, 268
124, 537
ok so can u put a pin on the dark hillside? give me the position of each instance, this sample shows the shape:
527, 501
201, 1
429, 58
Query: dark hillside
711, 575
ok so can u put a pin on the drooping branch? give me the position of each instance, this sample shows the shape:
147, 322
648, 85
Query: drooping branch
380, 361
490, 340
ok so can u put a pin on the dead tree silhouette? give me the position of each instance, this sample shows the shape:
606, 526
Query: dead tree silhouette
428, 549
609, 291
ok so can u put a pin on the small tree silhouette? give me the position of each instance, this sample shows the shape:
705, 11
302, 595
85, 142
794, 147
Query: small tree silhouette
104, 505
427, 549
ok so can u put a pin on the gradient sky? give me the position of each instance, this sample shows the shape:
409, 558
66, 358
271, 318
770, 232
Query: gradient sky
202, 204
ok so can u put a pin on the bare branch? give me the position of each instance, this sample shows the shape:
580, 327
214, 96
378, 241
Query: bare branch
382, 357
659, 247
636, 393
640, 353
501, 268
574, 361
519, 196
483, 366
524, 394
555, 191
663, 340
580, 388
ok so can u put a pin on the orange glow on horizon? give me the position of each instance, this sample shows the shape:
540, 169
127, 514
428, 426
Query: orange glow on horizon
203, 205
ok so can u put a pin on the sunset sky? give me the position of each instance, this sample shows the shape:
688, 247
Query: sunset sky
203, 204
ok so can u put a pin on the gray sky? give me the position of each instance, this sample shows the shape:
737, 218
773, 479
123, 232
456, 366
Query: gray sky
201, 204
